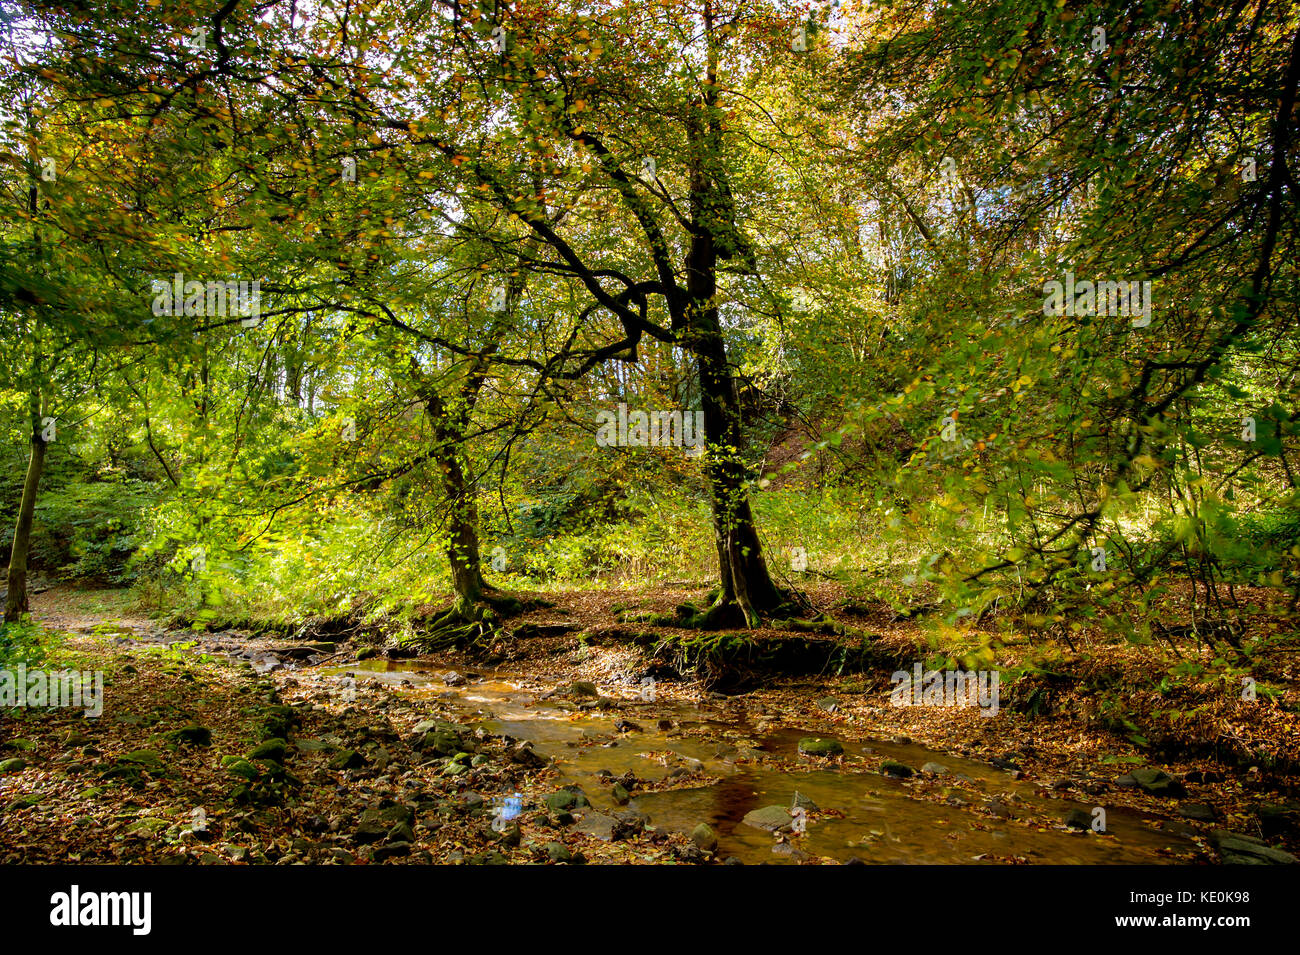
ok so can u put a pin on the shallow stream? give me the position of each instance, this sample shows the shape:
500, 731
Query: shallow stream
863, 814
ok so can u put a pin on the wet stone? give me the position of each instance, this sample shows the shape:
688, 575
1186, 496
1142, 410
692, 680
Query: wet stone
1157, 782
558, 852
770, 818
598, 825
1000, 809
786, 850
1078, 819
704, 837
1239, 849
814, 746
804, 802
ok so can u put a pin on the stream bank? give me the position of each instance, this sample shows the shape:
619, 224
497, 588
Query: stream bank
299, 753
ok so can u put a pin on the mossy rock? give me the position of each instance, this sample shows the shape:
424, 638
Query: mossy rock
347, 759
14, 764
558, 852
269, 769
401, 832
1157, 782
564, 800
240, 767
148, 827
395, 814
426, 726
133, 764
704, 837
814, 746
146, 758
365, 653
897, 770
277, 721
440, 738
376, 824
273, 749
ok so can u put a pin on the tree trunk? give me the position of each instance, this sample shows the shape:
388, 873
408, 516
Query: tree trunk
462, 544
450, 424
743, 571
745, 580
16, 603
473, 614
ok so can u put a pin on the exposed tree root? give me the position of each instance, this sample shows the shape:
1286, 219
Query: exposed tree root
733, 661
793, 613
468, 625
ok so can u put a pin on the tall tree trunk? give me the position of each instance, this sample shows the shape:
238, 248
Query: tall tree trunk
745, 580
743, 571
16, 603
462, 543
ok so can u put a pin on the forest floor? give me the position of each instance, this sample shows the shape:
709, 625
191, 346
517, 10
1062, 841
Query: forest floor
227, 747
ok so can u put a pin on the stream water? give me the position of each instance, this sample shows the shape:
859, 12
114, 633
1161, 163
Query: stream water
875, 818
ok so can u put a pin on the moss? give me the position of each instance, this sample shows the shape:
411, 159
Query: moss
277, 721
273, 749
240, 767
814, 746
